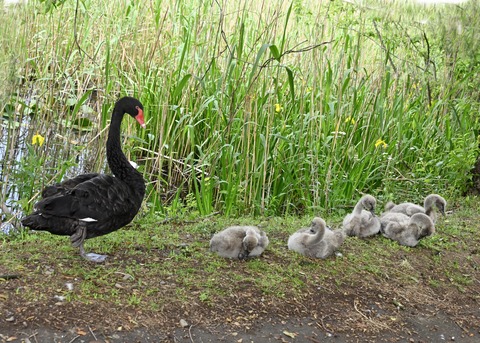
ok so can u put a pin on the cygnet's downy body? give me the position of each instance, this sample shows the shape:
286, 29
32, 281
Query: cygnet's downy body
362, 222
430, 204
407, 230
316, 241
239, 242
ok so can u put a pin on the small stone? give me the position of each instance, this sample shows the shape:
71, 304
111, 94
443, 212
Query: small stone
183, 323
10, 319
48, 270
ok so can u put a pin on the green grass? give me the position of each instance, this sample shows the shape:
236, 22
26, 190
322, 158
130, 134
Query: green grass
181, 268
345, 77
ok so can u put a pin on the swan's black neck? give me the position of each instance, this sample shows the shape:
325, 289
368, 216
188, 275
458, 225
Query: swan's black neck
117, 161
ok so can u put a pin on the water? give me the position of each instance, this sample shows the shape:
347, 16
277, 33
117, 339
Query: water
25, 167
13, 133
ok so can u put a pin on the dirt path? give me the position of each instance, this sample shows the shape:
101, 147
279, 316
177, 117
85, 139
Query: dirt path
419, 328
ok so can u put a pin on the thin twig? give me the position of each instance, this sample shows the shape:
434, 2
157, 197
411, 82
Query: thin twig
90, 329
34, 336
74, 338
222, 33
356, 309
75, 36
190, 333
322, 324
157, 40
461, 327
375, 323
427, 65
30, 336
384, 47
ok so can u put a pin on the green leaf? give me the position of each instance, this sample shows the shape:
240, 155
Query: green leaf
81, 101
289, 12
290, 83
257, 62
179, 88
275, 52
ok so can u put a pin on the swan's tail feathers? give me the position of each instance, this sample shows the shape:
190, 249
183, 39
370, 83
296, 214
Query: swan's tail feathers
55, 225
35, 221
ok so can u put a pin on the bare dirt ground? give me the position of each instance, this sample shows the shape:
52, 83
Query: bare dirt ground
362, 312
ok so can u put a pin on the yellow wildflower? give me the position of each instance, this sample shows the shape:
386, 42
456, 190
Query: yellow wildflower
350, 120
38, 139
380, 142
278, 108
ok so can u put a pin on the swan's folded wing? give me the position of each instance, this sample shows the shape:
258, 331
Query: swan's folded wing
411, 209
394, 230
98, 199
64, 186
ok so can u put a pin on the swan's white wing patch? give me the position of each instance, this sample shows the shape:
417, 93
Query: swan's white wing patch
88, 220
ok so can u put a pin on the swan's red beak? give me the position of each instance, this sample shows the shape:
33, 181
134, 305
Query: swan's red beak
139, 118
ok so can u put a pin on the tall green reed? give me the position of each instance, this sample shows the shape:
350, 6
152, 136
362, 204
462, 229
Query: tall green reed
262, 108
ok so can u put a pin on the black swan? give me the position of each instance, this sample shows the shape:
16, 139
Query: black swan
92, 205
